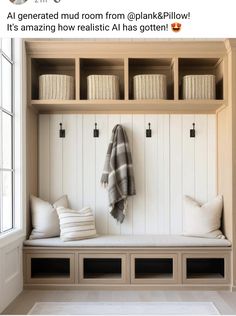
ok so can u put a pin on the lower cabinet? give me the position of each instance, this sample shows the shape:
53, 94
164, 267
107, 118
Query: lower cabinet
103, 268
48, 268
75, 267
206, 268
158, 268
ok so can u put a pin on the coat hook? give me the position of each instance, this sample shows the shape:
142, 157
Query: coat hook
149, 131
192, 131
62, 132
96, 131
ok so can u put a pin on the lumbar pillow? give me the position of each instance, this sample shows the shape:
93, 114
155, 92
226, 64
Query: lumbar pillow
76, 225
203, 220
45, 220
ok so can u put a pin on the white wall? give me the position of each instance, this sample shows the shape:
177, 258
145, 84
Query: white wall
167, 166
11, 275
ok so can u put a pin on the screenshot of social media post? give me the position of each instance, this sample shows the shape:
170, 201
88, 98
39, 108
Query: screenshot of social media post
117, 157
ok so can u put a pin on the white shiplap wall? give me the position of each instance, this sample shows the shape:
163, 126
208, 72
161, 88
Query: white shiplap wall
167, 166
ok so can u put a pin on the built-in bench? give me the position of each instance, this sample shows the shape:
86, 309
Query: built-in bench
132, 241
165, 261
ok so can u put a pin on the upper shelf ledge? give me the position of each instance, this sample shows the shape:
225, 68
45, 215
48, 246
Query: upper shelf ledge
128, 106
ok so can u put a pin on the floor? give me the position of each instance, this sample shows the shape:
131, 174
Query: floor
224, 301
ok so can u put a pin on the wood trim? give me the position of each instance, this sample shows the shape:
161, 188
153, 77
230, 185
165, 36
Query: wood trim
174, 278
130, 287
127, 106
50, 280
149, 48
232, 153
175, 70
77, 79
126, 79
227, 267
168, 250
124, 269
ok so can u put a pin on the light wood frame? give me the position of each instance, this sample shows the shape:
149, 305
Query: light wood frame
50, 280
128, 255
124, 268
175, 267
126, 52
203, 255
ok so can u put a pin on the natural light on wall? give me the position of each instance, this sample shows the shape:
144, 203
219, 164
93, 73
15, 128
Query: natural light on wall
10, 151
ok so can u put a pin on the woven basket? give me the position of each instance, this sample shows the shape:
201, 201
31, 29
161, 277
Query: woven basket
199, 87
150, 87
103, 87
57, 87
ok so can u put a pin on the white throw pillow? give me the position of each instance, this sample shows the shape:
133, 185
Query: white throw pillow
203, 220
76, 225
45, 221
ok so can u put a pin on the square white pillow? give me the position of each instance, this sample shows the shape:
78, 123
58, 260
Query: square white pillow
45, 221
203, 220
76, 225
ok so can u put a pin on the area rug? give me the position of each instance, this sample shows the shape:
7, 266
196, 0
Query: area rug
124, 308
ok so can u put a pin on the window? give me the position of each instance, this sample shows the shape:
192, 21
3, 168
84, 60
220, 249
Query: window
7, 167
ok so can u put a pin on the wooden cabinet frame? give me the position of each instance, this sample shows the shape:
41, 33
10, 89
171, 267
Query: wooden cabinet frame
49, 280
124, 268
205, 280
127, 256
160, 280
136, 57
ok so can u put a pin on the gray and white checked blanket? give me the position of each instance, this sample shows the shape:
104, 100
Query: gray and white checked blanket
118, 175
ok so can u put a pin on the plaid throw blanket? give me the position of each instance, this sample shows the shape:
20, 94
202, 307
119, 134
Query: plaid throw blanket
118, 173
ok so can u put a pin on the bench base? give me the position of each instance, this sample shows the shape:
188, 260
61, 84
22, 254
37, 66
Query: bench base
176, 268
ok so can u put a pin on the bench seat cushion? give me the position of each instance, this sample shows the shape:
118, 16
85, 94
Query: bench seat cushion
132, 241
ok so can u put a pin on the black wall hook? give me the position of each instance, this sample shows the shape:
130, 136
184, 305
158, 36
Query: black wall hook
149, 131
62, 132
192, 131
96, 131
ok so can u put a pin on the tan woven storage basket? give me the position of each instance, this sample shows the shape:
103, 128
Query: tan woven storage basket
103, 87
150, 86
57, 87
199, 87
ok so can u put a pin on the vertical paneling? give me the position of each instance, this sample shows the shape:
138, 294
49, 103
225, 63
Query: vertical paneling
69, 159
89, 162
167, 166
78, 150
44, 157
56, 170
102, 209
176, 165
188, 149
201, 158
188, 157
139, 200
113, 226
127, 226
212, 159
162, 175
151, 183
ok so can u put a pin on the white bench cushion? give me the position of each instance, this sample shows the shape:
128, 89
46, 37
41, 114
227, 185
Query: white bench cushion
132, 241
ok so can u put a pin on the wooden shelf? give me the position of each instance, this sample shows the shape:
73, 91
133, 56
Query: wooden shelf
128, 106
102, 275
154, 276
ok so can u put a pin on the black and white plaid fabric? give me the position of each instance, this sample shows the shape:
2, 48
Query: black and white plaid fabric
118, 175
